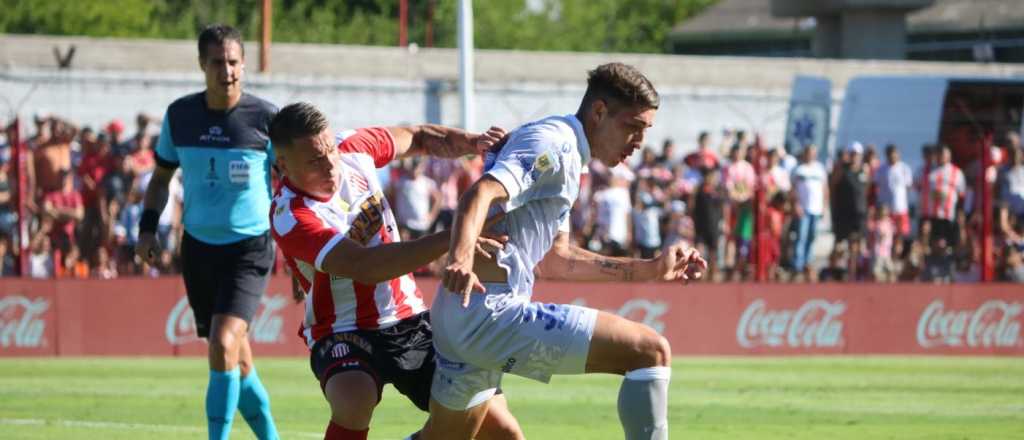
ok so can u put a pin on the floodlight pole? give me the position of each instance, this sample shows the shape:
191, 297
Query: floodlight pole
465, 34
268, 7
403, 23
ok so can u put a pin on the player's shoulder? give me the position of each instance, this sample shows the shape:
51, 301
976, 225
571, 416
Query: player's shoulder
283, 216
186, 104
256, 104
550, 134
556, 128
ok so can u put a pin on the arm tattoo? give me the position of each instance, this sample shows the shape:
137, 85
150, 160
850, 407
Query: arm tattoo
613, 268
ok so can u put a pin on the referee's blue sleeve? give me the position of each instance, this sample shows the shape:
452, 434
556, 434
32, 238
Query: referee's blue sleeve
166, 154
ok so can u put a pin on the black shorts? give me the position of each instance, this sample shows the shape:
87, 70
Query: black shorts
225, 279
402, 355
852, 228
947, 229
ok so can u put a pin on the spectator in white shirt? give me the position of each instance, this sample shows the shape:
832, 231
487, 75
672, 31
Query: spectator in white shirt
894, 181
613, 213
1010, 194
810, 192
417, 201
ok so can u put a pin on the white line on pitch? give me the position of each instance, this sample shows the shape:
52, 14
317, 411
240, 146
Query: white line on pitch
126, 426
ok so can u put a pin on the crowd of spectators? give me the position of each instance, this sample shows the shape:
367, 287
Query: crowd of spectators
860, 215
887, 222
82, 199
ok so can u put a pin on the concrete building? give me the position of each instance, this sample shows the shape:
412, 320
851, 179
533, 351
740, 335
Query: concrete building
948, 30
357, 86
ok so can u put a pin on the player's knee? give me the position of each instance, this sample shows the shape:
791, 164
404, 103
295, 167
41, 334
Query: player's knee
664, 352
352, 397
225, 343
501, 430
654, 351
351, 412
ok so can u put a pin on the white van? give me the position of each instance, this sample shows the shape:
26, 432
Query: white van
911, 111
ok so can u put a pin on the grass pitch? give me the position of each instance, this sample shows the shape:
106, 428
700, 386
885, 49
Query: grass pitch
829, 398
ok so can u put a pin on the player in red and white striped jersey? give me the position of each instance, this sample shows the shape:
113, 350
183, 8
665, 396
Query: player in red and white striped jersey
366, 323
945, 186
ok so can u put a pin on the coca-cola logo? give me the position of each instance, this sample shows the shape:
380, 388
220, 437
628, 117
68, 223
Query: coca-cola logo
994, 323
817, 323
265, 327
640, 310
21, 322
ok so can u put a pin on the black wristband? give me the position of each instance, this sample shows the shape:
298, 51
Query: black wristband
149, 220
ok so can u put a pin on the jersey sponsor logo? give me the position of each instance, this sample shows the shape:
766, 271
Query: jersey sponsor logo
554, 315
215, 134
995, 323
21, 323
448, 364
339, 350
211, 173
369, 221
238, 172
817, 323
350, 338
265, 328
284, 221
544, 162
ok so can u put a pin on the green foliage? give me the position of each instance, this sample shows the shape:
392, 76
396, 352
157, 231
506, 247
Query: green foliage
565, 25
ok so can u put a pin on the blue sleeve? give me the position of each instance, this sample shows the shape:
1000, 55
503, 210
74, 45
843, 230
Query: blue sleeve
166, 154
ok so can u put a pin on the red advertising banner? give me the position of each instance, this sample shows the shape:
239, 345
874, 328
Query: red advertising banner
151, 317
28, 319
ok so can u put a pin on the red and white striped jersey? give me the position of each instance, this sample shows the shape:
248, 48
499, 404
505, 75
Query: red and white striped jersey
941, 190
306, 228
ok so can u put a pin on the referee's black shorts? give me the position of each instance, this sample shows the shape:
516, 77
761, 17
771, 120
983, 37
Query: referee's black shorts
225, 279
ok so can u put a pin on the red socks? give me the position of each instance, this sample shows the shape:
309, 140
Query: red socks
336, 432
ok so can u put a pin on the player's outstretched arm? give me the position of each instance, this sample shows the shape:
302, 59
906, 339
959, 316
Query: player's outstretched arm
153, 204
442, 141
470, 216
568, 262
371, 265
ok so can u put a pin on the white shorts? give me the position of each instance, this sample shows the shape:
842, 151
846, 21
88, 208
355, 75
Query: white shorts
502, 332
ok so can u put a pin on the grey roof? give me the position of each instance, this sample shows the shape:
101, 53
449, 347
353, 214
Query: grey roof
968, 15
735, 16
732, 17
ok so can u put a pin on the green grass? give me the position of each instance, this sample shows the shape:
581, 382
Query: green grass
712, 398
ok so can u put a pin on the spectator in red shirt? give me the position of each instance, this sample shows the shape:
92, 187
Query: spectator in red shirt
705, 156
66, 209
96, 162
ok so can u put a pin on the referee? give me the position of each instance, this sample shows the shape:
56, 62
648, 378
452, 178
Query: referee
219, 139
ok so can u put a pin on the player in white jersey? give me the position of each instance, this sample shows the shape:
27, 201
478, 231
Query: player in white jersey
366, 324
534, 180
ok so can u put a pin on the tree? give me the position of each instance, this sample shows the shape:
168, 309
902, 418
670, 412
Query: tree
563, 25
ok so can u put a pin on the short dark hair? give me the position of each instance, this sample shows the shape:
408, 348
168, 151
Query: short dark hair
891, 148
296, 120
619, 84
218, 34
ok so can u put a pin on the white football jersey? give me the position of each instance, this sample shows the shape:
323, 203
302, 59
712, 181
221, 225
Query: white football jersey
540, 167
